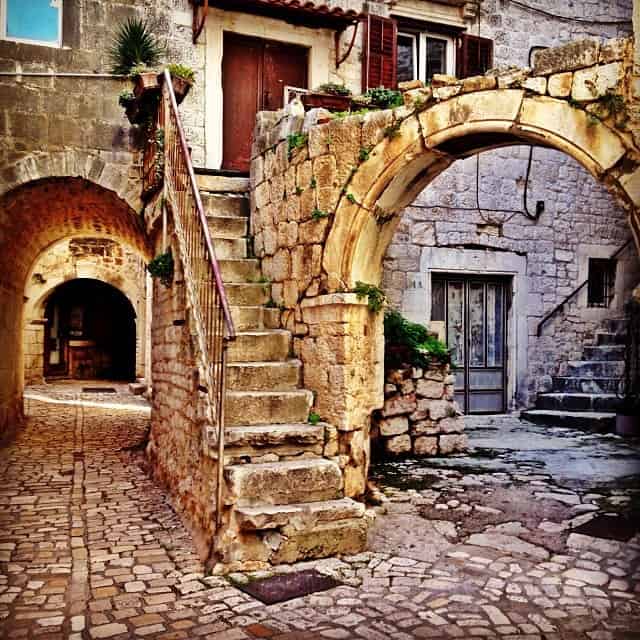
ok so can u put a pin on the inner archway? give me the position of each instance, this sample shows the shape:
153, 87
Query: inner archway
90, 332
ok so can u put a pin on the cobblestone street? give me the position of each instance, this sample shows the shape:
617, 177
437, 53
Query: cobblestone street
470, 546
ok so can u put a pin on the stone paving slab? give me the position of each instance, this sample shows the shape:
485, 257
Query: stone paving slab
90, 548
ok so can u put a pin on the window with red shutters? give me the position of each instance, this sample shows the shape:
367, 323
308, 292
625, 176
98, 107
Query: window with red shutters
379, 60
474, 56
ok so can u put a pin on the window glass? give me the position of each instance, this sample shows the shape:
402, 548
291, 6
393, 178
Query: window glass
436, 56
602, 281
33, 20
407, 63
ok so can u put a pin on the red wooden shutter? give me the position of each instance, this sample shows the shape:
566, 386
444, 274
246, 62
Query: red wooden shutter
474, 56
380, 53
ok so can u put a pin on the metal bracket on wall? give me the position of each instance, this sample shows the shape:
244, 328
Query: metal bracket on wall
199, 19
337, 34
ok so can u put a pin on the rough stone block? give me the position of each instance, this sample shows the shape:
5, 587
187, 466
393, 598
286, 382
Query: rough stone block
452, 443
429, 389
536, 85
425, 427
398, 445
575, 55
439, 409
394, 426
451, 425
425, 446
593, 83
559, 85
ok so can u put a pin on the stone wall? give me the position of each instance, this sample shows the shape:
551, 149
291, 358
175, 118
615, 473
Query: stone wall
176, 450
419, 416
97, 258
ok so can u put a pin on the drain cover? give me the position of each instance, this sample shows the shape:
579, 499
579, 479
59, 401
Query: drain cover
609, 527
98, 390
288, 586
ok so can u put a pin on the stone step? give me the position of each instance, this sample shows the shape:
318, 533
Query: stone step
229, 248
267, 407
296, 481
248, 294
229, 204
222, 184
569, 384
251, 441
227, 227
604, 338
264, 376
254, 318
260, 346
605, 402
243, 270
297, 541
594, 369
605, 352
586, 420
616, 325
304, 516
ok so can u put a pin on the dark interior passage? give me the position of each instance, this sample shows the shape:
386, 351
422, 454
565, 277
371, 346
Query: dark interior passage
90, 332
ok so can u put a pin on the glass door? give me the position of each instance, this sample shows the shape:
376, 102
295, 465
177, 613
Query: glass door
473, 310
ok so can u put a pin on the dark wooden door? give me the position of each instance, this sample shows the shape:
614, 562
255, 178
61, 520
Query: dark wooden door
254, 74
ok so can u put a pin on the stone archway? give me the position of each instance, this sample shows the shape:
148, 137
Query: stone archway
101, 259
34, 216
326, 202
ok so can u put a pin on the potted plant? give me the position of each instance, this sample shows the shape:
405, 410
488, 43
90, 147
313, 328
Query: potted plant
134, 53
182, 78
628, 413
330, 96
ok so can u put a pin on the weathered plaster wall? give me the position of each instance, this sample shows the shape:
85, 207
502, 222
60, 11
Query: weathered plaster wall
96, 258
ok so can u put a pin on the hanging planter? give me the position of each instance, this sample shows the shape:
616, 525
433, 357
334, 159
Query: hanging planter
330, 96
182, 78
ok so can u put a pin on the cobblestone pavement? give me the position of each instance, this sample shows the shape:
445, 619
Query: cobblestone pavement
472, 546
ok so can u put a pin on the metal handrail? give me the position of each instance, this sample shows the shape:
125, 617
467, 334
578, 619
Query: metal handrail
577, 290
206, 296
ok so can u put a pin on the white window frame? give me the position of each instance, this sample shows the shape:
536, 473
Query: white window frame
414, 37
450, 56
3, 27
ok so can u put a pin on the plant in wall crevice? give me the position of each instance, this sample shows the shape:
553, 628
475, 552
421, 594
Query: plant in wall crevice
162, 267
376, 297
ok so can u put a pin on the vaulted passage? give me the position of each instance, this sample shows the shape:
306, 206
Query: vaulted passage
90, 332
34, 217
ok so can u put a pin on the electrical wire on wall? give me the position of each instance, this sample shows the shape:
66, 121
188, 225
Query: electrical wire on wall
557, 16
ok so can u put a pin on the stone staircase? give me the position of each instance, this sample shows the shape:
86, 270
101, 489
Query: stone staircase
585, 397
284, 488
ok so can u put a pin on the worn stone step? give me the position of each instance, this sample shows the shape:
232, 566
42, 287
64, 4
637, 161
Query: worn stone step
228, 204
229, 248
302, 516
568, 384
227, 226
243, 270
279, 439
264, 376
222, 184
306, 480
616, 325
605, 338
605, 402
260, 346
594, 369
607, 352
248, 294
267, 407
253, 318
601, 422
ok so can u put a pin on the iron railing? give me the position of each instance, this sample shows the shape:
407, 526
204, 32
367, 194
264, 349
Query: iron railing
577, 290
206, 297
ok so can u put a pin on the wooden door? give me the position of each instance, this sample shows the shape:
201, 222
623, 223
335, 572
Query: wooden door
254, 73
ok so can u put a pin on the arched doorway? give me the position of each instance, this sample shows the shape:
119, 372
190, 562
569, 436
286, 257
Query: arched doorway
90, 332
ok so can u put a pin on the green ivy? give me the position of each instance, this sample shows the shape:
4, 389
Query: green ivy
295, 141
375, 295
411, 343
318, 214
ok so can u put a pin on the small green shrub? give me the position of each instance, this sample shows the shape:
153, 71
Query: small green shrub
295, 141
314, 418
133, 46
299, 191
333, 89
313, 184
182, 71
318, 214
125, 98
375, 295
364, 154
384, 98
411, 343
351, 198
161, 267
